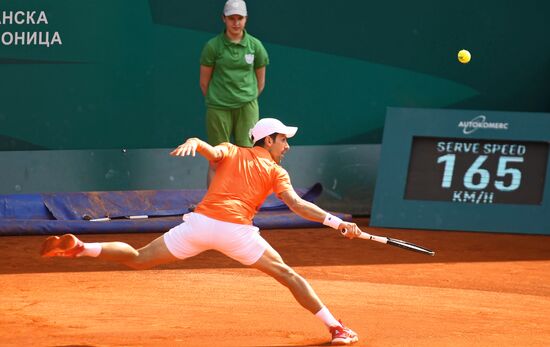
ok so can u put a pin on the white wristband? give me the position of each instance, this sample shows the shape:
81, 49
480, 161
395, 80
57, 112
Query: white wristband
332, 221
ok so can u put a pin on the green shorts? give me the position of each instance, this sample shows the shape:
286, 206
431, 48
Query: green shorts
221, 124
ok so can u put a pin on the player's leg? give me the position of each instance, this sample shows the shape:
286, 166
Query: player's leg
153, 254
244, 119
244, 244
219, 126
180, 242
272, 264
69, 246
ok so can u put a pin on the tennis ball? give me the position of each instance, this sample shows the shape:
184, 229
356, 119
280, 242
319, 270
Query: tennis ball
464, 56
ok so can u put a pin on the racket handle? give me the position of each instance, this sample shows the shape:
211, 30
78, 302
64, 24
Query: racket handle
367, 236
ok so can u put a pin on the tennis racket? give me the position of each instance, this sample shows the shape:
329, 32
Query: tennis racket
394, 242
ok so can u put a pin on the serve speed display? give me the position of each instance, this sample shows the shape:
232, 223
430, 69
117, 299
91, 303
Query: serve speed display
464, 170
476, 171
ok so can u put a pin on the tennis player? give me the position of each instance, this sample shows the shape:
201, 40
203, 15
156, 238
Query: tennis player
223, 219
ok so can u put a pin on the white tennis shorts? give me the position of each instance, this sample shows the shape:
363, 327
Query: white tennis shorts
199, 233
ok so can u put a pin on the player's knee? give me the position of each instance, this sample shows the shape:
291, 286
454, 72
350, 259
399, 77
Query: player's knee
140, 262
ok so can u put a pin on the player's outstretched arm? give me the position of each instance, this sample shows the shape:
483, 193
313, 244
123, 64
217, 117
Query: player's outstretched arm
313, 212
194, 145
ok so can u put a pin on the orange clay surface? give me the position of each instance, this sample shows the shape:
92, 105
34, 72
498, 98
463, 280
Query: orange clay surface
479, 290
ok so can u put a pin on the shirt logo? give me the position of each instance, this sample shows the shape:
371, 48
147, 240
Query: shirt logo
249, 58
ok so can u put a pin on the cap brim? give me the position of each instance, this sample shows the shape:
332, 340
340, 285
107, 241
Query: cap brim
231, 13
290, 131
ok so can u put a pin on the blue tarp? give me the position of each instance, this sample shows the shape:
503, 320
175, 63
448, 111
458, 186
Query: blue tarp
28, 214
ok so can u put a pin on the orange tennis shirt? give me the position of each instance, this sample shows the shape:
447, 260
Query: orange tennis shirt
243, 180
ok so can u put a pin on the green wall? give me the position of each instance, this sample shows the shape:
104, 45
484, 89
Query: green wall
126, 73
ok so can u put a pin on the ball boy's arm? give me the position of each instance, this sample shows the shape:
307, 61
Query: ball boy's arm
260, 78
193, 145
205, 77
313, 212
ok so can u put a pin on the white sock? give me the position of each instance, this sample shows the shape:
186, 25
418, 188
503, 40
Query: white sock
91, 249
327, 317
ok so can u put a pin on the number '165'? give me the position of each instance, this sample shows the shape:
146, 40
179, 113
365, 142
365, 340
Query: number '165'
482, 176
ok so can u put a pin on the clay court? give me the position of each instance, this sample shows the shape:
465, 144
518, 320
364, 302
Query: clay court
479, 290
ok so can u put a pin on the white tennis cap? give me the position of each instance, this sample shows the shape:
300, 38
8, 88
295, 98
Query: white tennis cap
268, 126
235, 7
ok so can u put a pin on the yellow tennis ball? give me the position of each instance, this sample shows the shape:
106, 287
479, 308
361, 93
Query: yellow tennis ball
464, 56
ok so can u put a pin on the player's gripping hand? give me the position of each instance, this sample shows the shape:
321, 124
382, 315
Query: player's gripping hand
349, 230
186, 149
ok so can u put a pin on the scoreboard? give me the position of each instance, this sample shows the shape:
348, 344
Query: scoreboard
476, 171
464, 170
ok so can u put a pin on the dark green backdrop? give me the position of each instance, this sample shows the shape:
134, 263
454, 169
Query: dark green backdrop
126, 74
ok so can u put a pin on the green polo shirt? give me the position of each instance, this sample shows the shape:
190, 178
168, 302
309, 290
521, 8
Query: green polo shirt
233, 81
